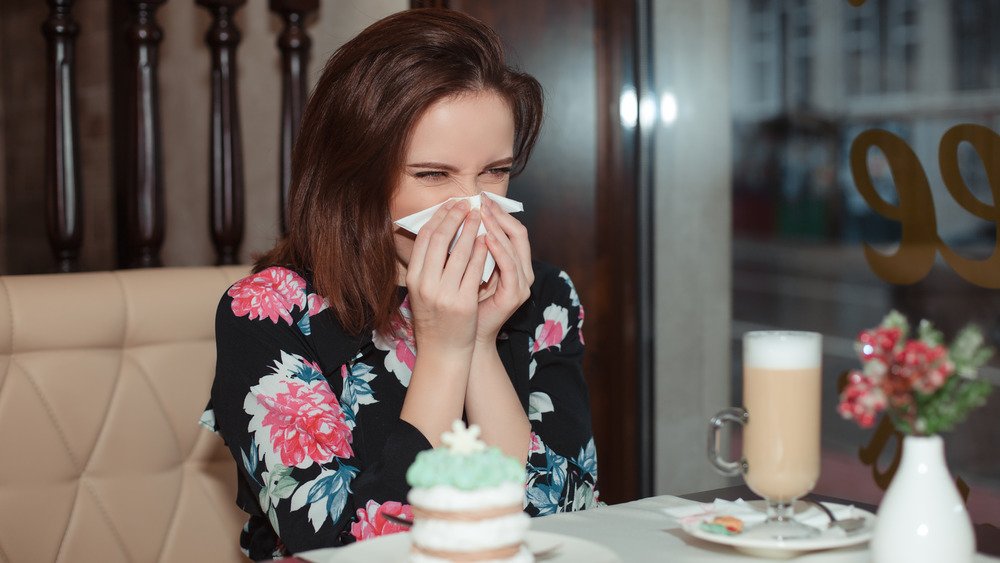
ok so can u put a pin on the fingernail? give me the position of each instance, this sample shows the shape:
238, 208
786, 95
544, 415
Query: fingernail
449, 204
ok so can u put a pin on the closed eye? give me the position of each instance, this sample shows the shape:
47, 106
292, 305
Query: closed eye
431, 175
498, 173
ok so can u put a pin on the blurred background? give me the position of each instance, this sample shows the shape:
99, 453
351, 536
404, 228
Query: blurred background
693, 178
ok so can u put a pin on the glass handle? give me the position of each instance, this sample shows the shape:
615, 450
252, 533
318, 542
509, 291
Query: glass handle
733, 414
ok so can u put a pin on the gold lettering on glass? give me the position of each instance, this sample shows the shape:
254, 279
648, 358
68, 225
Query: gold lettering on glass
919, 240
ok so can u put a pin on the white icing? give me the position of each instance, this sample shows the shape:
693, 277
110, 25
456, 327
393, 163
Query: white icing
450, 499
462, 440
522, 556
782, 350
456, 535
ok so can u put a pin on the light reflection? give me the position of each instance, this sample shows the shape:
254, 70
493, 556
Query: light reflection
647, 111
668, 108
628, 108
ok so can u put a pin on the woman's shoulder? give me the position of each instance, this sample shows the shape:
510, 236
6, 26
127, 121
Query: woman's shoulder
279, 294
279, 306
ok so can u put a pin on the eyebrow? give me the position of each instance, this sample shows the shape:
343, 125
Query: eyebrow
449, 168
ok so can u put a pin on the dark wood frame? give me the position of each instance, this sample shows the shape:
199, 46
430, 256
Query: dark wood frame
624, 200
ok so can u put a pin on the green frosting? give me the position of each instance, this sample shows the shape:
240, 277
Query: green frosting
487, 468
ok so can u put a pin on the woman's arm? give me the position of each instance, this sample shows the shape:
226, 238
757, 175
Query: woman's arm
490, 400
492, 403
444, 293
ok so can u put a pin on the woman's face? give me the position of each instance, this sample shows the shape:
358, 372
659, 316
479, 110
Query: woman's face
460, 146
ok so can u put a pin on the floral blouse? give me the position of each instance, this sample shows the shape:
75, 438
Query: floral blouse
311, 413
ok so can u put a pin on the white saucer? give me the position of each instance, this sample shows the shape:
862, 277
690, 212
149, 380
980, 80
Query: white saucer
783, 549
396, 547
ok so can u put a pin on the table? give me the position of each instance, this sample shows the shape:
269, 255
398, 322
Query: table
639, 531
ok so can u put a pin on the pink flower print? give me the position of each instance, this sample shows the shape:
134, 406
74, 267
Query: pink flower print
579, 325
551, 332
372, 524
297, 423
316, 304
401, 345
536, 446
271, 293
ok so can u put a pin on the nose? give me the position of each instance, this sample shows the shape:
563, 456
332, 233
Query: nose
468, 185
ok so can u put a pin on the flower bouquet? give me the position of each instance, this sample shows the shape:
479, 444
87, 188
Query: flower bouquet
924, 386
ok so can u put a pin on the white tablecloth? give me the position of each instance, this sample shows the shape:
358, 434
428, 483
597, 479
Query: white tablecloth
640, 531
636, 531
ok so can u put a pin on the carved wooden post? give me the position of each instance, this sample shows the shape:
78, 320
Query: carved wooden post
143, 167
226, 156
294, 44
63, 204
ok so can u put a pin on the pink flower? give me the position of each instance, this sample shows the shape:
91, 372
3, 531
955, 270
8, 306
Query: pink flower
271, 293
401, 345
862, 399
579, 326
550, 333
920, 366
536, 446
372, 524
878, 343
306, 423
316, 304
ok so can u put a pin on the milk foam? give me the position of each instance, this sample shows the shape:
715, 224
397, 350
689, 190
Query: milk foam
782, 350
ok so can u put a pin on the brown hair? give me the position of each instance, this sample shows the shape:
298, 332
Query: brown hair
349, 153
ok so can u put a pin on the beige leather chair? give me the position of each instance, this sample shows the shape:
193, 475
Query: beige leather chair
103, 377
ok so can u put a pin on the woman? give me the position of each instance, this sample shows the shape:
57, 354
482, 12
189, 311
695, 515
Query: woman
320, 393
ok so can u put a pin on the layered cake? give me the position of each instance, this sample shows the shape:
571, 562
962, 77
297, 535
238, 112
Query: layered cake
468, 502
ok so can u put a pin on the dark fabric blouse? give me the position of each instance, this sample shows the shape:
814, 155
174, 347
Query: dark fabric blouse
311, 413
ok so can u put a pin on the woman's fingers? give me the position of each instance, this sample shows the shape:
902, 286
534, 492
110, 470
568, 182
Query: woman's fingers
430, 251
423, 237
515, 233
474, 270
458, 261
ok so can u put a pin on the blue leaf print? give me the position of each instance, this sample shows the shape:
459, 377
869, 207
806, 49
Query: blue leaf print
556, 466
250, 462
544, 498
306, 372
587, 460
357, 390
326, 495
304, 325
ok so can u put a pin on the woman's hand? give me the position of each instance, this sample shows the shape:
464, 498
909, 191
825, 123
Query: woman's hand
510, 285
444, 288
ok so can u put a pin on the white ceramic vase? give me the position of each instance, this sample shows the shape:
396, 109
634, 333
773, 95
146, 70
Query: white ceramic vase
922, 517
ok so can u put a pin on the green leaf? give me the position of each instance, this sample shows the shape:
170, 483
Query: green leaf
284, 487
273, 517
280, 471
928, 334
895, 319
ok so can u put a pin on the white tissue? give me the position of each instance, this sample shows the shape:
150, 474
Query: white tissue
415, 222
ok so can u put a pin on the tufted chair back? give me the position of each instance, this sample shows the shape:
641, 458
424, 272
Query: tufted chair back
103, 377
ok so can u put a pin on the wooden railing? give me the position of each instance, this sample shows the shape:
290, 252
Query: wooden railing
140, 218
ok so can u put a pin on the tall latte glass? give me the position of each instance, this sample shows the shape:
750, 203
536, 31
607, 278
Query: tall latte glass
781, 419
